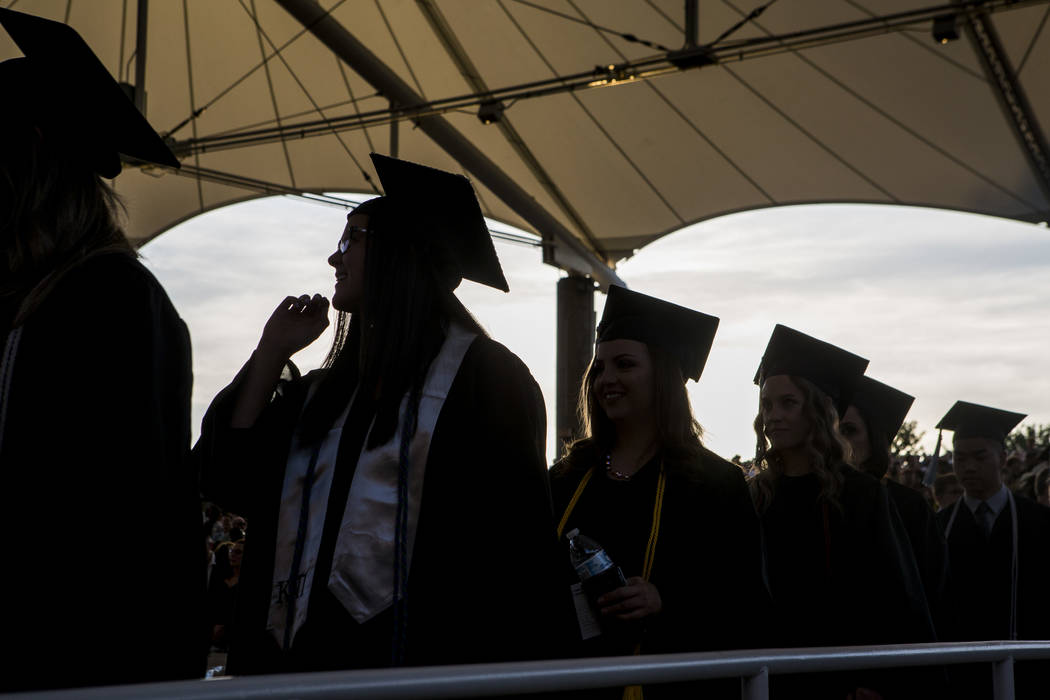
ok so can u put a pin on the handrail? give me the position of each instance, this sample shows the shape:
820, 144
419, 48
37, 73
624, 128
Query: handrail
480, 680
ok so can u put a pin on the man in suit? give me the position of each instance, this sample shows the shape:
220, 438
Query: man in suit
997, 546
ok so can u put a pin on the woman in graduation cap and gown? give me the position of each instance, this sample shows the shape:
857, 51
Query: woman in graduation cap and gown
999, 547
875, 414
94, 392
674, 516
398, 496
841, 571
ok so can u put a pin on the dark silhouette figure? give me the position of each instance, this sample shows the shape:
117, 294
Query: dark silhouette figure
841, 569
876, 413
94, 394
398, 497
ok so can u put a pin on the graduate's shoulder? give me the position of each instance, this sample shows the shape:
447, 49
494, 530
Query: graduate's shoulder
715, 468
862, 494
906, 493
116, 277
581, 456
486, 354
489, 367
907, 499
857, 482
943, 516
1034, 512
112, 298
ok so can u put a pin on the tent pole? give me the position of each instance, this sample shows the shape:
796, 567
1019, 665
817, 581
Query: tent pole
692, 23
1012, 98
394, 146
575, 338
141, 25
366, 64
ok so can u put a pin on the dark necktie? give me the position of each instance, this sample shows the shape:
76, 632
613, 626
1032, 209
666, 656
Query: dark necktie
985, 518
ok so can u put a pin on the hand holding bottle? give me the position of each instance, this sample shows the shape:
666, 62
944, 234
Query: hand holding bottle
636, 600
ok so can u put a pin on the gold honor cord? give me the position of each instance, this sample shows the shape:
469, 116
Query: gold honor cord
572, 502
631, 692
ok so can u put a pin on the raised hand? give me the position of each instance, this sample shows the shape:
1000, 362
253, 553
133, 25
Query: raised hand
294, 324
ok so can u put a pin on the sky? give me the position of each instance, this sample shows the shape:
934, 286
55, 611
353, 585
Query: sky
945, 305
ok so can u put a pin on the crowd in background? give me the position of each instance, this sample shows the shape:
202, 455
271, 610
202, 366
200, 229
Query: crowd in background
224, 545
1026, 474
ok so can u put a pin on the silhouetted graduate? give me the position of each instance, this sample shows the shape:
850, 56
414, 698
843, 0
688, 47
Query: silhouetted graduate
398, 497
94, 392
999, 546
840, 568
877, 411
675, 517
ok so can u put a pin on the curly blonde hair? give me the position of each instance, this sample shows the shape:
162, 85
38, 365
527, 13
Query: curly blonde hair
828, 451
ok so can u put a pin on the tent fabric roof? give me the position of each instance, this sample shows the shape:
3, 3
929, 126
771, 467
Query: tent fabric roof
890, 118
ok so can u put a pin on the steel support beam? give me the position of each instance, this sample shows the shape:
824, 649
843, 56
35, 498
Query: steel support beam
1011, 96
598, 77
141, 32
472, 75
575, 341
1003, 679
755, 687
366, 64
488, 680
692, 23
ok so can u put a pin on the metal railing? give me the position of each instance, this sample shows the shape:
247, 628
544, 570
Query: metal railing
482, 680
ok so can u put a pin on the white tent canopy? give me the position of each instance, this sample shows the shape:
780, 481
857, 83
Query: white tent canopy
874, 111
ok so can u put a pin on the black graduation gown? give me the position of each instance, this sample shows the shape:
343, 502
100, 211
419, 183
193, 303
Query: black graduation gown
929, 548
482, 583
854, 583
707, 564
981, 586
105, 568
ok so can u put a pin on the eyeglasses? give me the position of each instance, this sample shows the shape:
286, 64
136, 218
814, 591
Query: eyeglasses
352, 234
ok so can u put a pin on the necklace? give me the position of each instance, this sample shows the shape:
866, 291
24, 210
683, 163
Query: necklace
615, 473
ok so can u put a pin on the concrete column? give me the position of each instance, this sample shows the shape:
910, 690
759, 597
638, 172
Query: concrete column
575, 345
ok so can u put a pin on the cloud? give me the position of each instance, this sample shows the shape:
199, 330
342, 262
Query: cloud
945, 305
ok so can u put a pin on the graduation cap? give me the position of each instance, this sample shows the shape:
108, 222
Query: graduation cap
882, 403
685, 333
62, 87
834, 371
445, 205
970, 420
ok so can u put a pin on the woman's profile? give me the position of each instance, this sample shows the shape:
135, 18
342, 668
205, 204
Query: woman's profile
398, 497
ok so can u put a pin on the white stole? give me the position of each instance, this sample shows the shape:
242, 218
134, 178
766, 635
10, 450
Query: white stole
289, 599
362, 577
362, 574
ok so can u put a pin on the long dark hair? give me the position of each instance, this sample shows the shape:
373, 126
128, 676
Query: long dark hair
827, 449
679, 434
54, 212
406, 309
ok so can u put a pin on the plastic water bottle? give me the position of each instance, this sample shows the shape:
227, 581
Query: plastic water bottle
595, 569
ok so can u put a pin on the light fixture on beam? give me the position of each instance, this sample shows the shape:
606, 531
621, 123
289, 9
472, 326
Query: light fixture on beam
490, 112
944, 29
